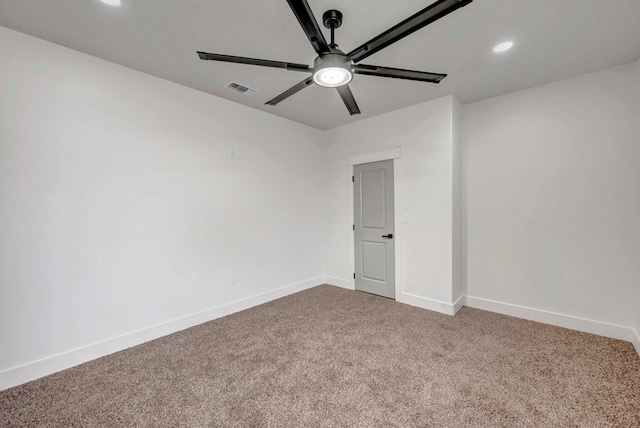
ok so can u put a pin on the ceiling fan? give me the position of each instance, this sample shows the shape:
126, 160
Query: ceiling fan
335, 69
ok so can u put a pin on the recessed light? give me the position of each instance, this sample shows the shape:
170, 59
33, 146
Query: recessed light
501, 47
112, 2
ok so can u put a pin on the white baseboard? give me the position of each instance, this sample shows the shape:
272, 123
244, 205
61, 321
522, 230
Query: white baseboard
339, 282
36, 369
407, 298
561, 320
636, 341
459, 304
430, 304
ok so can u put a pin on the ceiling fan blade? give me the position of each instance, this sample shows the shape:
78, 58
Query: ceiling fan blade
302, 11
398, 73
286, 94
349, 101
254, 61
425, 17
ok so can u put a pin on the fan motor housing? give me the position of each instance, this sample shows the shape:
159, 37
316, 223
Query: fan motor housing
332, 60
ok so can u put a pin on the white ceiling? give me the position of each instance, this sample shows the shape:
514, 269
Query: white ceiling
554, 39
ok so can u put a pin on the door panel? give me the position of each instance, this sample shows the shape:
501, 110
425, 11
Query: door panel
374, 257
373, 199
374, 228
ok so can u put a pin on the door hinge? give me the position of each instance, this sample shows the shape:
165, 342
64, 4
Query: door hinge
354, 227
354, 275
353, 178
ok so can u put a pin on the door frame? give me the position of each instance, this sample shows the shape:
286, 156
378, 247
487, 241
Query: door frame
385, 153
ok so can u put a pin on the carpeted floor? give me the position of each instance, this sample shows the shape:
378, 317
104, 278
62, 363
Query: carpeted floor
333, 357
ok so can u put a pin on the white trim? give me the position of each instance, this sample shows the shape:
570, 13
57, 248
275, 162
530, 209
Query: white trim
430, 304
458, 304
375, 155
636, 341
48, 365
561, 320
339, 282
64, 360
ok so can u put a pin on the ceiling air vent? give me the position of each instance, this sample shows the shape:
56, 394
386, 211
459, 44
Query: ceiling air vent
241, 89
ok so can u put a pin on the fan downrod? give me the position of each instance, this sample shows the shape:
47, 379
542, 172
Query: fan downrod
332, 19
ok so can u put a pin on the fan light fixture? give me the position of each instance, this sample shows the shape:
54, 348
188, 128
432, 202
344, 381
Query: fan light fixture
332, 70
332, 77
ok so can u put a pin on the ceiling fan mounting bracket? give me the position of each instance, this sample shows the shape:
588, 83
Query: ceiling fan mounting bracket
332, 19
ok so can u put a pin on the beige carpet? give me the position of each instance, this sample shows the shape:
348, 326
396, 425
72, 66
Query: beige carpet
333, 357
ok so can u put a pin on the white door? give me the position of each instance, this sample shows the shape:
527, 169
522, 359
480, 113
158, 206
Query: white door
374, 228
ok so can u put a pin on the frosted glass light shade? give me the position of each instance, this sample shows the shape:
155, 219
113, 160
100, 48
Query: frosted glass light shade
332, 77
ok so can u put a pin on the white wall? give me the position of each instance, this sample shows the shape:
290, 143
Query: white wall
120, 208
423, 192
552, 198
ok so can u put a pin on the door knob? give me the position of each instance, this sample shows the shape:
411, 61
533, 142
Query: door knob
390, 236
